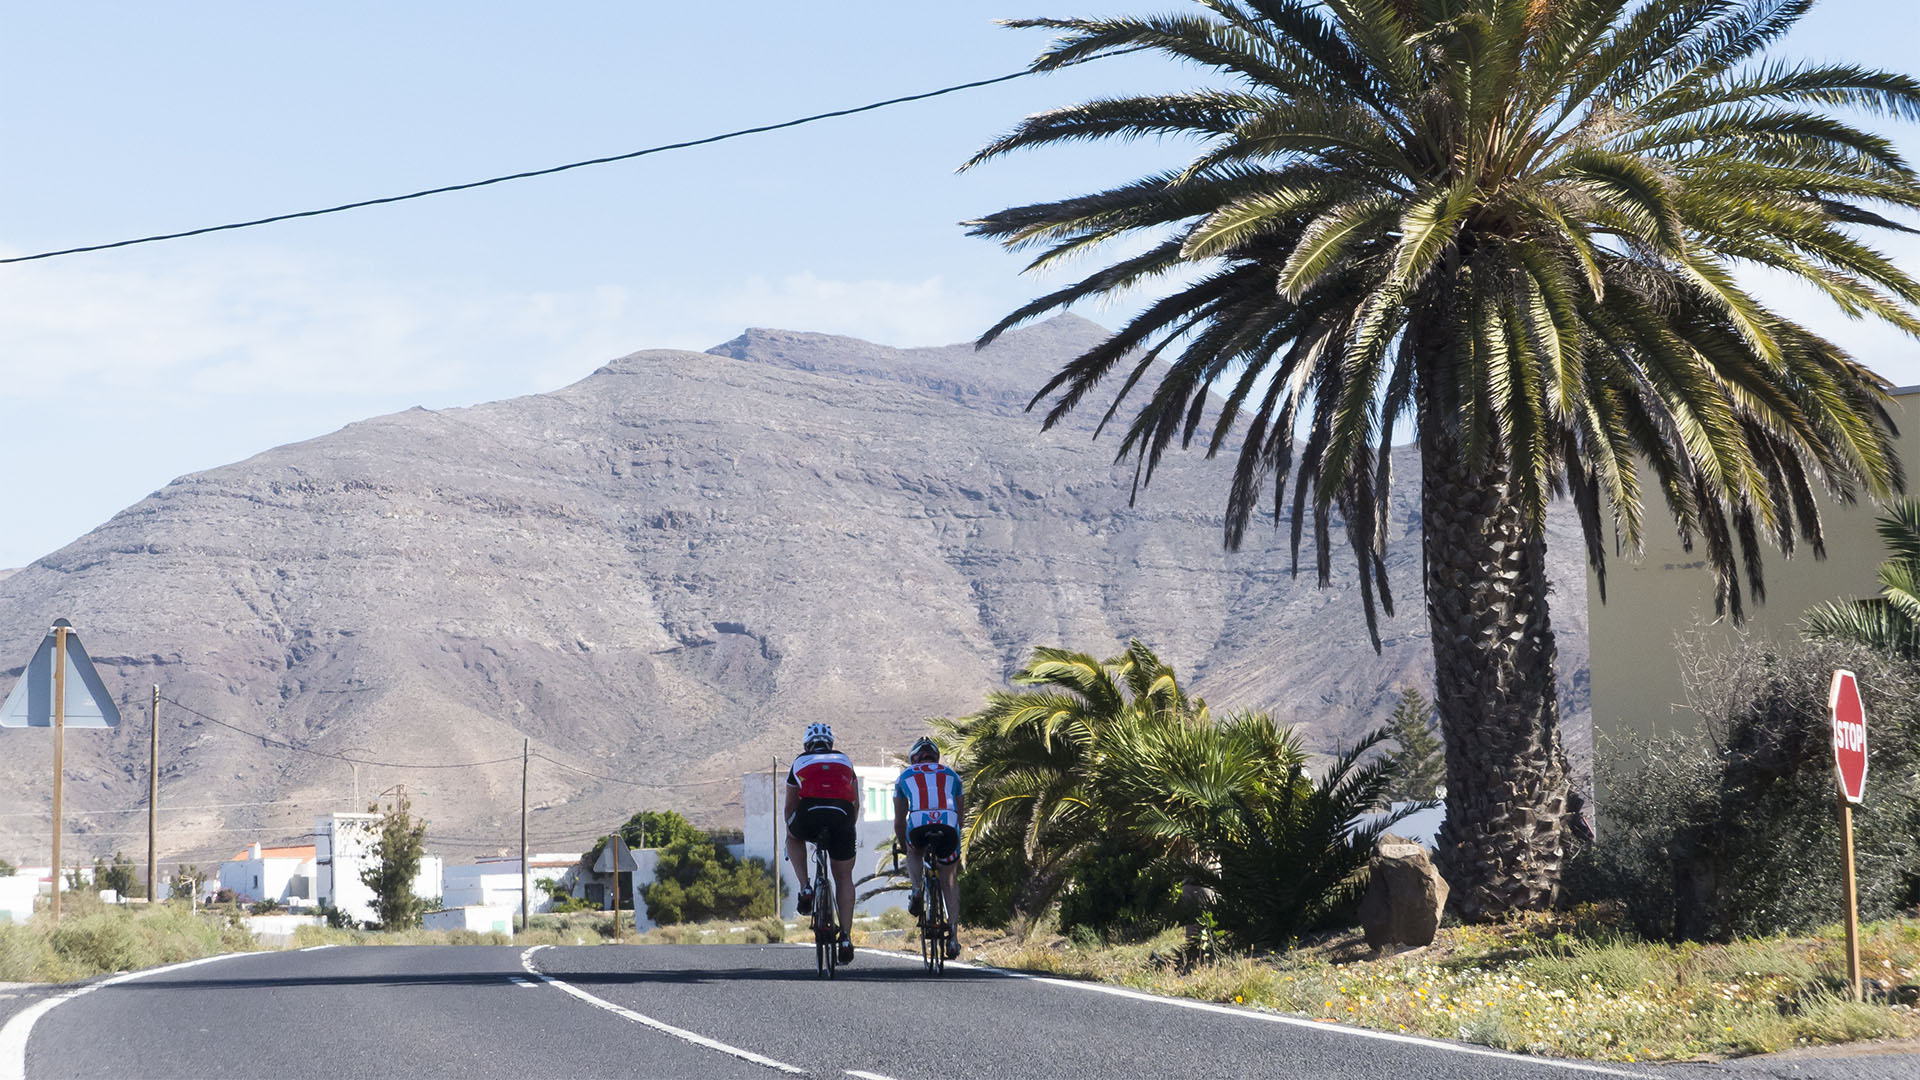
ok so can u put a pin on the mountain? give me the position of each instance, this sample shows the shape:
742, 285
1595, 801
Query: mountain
657, 576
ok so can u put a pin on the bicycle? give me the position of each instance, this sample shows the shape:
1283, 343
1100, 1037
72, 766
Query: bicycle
826, 936
933, 915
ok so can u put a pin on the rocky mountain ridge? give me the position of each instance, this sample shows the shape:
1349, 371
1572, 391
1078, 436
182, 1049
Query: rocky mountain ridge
655, 577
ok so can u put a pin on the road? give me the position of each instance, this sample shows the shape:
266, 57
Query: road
749, 1011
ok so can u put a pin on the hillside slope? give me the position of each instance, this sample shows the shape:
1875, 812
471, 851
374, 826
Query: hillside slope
658, 575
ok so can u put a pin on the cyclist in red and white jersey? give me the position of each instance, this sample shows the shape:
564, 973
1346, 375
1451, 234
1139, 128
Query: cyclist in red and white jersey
823, 805
928, 814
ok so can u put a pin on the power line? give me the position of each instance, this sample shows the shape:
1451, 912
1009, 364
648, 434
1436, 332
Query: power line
337, 757
529, 174
631, 783
170, 808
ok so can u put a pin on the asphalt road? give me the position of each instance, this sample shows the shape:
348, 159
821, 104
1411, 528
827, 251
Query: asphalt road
708, 1011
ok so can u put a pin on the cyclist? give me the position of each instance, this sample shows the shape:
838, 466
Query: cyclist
823, 796
928, 813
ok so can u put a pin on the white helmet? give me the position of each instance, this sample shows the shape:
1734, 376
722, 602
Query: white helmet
819, 737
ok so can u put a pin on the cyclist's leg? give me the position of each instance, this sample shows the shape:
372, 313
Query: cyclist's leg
797, 854
950, 892
843, 892
915, 871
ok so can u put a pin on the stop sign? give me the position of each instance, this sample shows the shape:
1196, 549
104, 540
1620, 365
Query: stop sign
1849, 735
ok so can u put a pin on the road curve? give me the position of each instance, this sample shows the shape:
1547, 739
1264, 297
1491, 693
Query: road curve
704, 1011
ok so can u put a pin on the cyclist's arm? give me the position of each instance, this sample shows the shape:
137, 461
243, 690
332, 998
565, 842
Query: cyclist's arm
900, 821
793, 799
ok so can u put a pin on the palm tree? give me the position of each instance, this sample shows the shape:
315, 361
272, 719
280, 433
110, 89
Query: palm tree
1513, 223
1891, 621
1033, 758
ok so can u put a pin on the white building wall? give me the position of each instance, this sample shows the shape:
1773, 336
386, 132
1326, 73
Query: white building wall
289, 881
763, 797
343, 847
488, 918
17, 894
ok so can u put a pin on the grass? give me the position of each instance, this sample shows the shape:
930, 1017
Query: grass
1571, 986
97, 939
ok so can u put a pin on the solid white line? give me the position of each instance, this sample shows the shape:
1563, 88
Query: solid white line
1279, 1018
867, 1075
13, 1037
317, 948
526, 961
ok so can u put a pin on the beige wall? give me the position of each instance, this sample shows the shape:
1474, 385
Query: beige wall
1652, 600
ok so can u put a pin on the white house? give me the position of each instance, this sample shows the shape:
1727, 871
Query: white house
763, 795
343, 846
283, 874
495, 882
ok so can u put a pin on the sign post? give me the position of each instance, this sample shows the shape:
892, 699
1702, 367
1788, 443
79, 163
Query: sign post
615, 858
1850, 768
41, 699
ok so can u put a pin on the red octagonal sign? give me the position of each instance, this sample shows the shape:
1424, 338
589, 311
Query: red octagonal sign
1849, 735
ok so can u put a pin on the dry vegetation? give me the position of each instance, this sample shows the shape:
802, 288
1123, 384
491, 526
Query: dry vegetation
1570, 986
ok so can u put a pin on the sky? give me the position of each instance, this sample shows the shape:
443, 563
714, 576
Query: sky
122, 370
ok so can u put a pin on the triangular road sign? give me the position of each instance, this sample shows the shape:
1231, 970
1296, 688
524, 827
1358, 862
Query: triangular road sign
88, 703
615, 854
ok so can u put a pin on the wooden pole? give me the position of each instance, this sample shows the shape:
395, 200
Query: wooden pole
59, 750
153, 802
773, 806
1853, 899
526, 878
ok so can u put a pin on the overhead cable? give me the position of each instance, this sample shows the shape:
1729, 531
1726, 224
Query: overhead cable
340, 757
549, 171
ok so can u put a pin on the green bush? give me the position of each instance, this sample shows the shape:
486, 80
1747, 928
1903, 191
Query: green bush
1732, 831
1119, 892
696, 880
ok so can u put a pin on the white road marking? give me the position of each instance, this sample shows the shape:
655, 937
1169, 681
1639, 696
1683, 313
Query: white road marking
526, 983
867, 1075
526, 961
317, 948
1278, 1018
13, 1037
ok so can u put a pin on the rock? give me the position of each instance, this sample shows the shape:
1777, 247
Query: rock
1405, 895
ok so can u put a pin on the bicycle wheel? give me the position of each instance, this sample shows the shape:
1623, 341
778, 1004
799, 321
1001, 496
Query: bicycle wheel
936, 939
826, 941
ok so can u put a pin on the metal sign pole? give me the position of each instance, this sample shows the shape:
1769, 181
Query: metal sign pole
153, 803
59, 750
526, 877
1852, 898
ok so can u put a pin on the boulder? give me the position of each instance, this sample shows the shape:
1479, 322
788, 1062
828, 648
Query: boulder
1405, 895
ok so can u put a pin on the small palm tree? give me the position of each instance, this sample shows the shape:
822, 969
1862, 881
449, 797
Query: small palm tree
1890, 621
1514, 224
1034, 759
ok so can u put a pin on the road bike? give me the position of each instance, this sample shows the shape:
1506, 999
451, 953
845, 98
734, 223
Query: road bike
826, 936
933, 914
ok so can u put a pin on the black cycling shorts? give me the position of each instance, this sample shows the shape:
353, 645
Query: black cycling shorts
943, 840
828, 824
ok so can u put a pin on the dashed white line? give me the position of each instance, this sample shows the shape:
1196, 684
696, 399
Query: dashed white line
13, 1037
525, 984
1278, 1018
697, 1039
867, 1075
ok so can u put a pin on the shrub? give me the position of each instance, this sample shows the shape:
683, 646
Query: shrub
1119, 891
396, 862
696, 879
1731, 831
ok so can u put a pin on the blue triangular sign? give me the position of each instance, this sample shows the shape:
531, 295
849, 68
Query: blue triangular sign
31, 702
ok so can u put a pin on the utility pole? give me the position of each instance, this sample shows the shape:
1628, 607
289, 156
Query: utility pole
526, 878
773, 805
59, 748
153, 803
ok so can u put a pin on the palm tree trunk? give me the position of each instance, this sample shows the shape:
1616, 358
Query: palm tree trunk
1507, 823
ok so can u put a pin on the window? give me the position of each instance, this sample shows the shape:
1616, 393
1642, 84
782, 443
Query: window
256, 883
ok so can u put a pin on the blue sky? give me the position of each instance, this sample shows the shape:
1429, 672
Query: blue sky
132, 118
